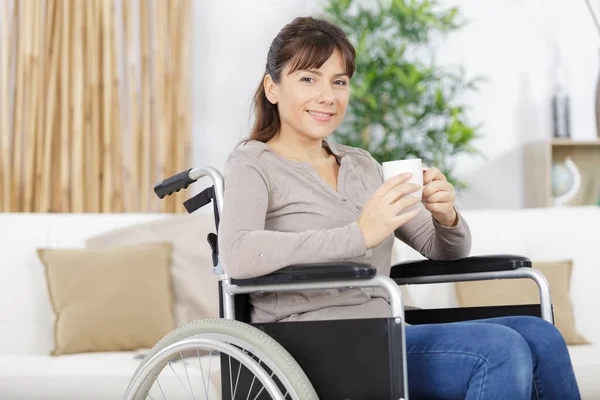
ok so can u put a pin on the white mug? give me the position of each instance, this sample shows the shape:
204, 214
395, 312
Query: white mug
412, 165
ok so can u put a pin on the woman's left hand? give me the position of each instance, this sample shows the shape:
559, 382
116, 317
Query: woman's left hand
438, 196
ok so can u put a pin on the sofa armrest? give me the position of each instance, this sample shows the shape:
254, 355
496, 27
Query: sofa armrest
313, 272
467, 265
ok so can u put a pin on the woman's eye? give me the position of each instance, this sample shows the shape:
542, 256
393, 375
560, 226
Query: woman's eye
306, 79
340, 82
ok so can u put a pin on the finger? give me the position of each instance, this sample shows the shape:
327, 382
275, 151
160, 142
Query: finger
391, 183
406, 217
434, 187
433, 174
404, 203
441, 208
399, 191
440, 197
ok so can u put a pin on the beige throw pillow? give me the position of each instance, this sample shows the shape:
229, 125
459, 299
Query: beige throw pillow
195, 285
109, 300
525, 291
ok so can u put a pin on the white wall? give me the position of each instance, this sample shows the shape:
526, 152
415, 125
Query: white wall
512, 43
508, 41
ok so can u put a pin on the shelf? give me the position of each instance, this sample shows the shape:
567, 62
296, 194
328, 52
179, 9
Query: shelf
539, 158
571, 142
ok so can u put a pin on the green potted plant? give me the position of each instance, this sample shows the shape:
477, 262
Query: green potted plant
403, 104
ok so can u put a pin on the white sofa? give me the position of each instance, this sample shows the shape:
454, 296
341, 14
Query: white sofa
26, 321
27, 371
544, 234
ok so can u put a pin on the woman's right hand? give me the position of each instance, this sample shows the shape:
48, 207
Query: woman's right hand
382, 214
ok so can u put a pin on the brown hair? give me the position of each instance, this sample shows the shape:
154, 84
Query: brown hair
307, 43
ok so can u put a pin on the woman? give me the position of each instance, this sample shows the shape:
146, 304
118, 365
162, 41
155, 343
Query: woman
294, 197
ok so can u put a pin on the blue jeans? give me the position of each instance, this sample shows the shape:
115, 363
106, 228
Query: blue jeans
499, 358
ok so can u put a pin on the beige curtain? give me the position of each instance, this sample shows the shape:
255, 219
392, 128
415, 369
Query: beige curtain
95, 104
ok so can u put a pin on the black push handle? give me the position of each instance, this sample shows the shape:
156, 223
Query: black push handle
173, 184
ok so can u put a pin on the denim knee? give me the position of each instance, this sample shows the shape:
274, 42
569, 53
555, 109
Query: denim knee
508, 353
552, 368
540, 333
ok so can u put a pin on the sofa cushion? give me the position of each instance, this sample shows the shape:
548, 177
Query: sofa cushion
109, 299
525, 291
195, 285
95, 376
26, 327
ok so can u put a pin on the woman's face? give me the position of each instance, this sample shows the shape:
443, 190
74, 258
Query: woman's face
311, 103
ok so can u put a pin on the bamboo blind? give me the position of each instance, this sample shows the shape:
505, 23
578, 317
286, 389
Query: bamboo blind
94, 104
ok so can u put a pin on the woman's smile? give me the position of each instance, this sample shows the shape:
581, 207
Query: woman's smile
320, 116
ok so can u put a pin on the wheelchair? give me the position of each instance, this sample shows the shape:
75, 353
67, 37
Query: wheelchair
350, 359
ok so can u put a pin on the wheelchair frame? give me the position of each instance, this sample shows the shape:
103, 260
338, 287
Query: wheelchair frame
231, 288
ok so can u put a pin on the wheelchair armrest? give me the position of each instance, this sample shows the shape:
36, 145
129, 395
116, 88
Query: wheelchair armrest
313, 272
467, 265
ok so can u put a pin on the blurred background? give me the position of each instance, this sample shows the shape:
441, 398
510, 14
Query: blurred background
101, 99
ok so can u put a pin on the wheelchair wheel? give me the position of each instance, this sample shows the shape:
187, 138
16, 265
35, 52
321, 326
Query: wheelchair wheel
246, 362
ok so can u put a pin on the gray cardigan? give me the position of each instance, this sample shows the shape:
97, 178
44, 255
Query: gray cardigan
278, 212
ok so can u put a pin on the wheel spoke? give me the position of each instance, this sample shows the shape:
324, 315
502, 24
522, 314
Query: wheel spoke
179, 379
263, 388
237, 379
202, 373
208, 377
187, 376
160, 388
230, 379
258, 394
254, 378
251, 386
